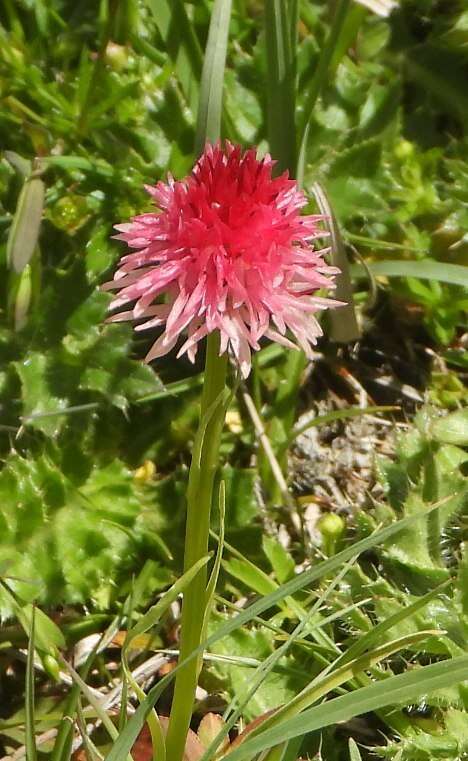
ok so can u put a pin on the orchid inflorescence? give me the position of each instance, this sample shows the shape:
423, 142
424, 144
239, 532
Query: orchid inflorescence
228, 250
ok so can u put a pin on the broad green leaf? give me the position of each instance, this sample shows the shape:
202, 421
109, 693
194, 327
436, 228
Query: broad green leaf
37, 394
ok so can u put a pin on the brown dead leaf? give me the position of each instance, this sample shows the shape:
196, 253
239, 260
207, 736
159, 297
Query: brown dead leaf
250, 727
210, 725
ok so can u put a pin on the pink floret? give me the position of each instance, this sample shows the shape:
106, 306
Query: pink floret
228, 250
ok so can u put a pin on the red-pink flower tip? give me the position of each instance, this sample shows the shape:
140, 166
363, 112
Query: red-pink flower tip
228, 250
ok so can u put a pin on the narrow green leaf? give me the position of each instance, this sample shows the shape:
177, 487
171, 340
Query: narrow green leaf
213, 580
173, 389
92, 700
354, 754
63, 744
22, 166
24, 231
381, 629
211, 92
401, 689
153, 616
425, 269
322, 570
235, 709
343, 324
331, 417
280, 84
78, 162
31, 752
335, 677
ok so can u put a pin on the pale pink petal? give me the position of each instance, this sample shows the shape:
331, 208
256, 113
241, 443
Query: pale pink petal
160, 348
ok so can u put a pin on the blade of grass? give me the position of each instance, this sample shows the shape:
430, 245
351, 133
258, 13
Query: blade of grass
425, 269
404, 688
280, 83
63, 742
293, 13
24, 231
269, 664
91, 752
335, 677
211, 92
31, 751
337, 415
384, 244
20, 164
173, 389
153, 616
126, 739
92, 700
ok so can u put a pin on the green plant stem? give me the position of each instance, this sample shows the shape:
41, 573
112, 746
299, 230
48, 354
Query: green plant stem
199, 499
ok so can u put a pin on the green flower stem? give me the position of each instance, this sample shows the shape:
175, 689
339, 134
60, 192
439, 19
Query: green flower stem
199, 499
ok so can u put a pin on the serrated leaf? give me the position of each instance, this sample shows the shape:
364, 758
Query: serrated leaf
452, 429
69, 544
38, 397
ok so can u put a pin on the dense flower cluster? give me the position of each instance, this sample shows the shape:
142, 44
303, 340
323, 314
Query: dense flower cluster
228, 250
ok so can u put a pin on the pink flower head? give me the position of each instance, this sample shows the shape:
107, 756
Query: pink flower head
227, 251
